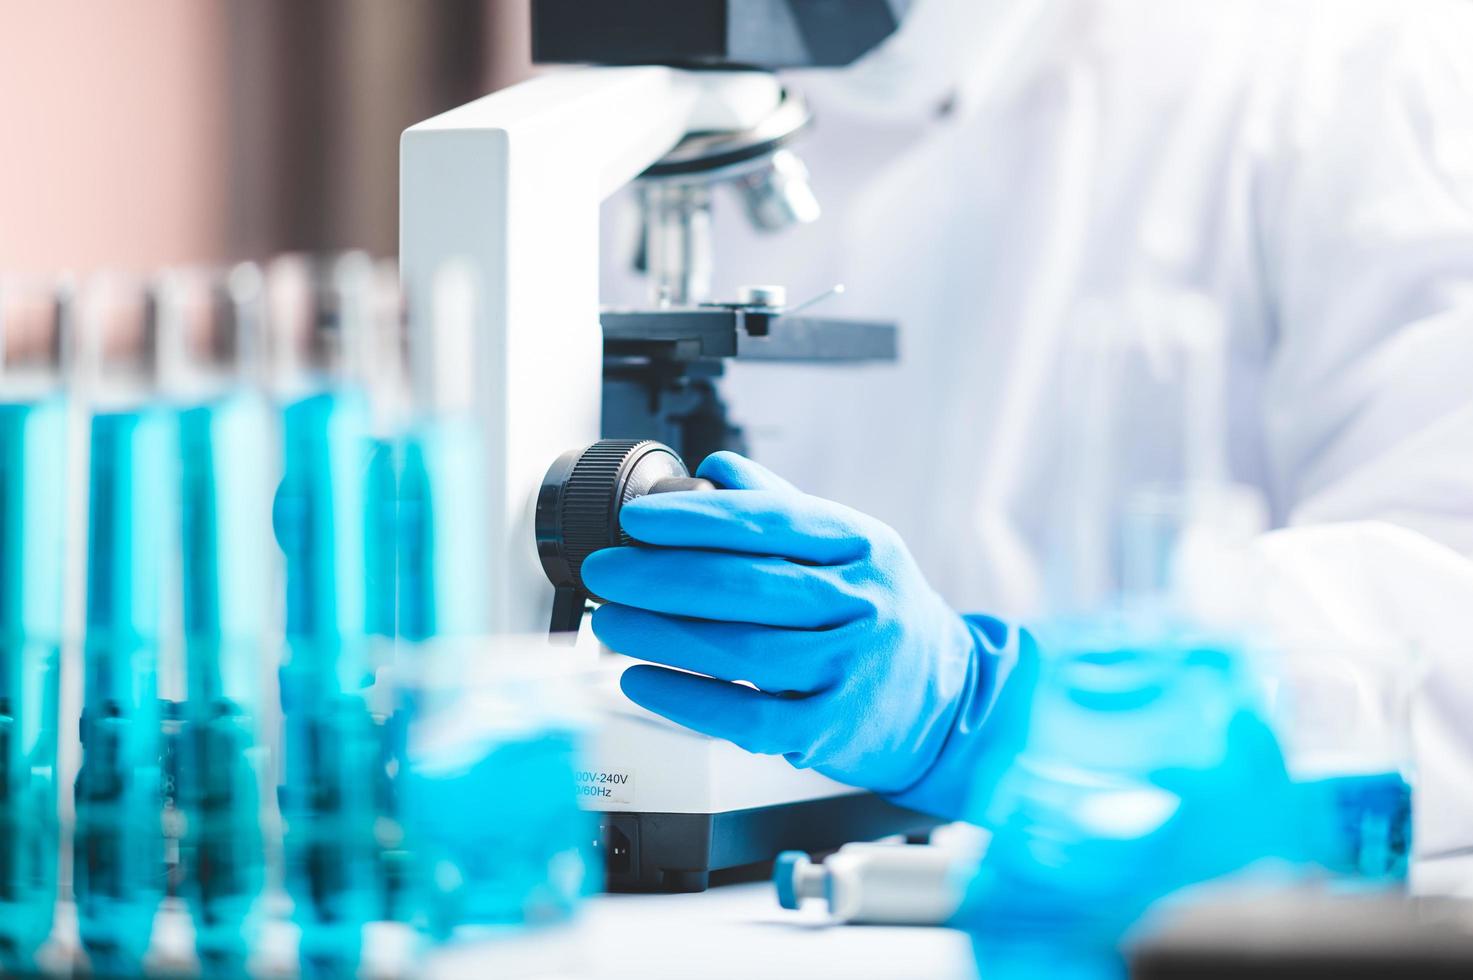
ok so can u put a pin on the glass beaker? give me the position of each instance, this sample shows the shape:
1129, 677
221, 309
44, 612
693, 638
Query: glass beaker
488, 789
1342, 712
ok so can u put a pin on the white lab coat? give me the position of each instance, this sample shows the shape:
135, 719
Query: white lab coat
1305, 164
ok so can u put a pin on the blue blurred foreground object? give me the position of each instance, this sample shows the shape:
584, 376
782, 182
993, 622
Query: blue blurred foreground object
32, 518
1146, 766
224, 578
118, 850
488, 789
330, 744
860, 669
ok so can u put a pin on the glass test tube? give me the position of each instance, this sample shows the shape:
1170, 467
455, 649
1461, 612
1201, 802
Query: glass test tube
118, 862
211, 359
435, 523
33, 495
320, 329
1143, 477
443, 572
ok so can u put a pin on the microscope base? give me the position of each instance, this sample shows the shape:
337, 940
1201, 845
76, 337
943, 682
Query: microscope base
676, 852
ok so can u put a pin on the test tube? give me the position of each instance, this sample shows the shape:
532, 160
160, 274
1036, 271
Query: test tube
33, 495
118, 859
436, 521
211, 348
321, 350
389, 412
1143, 476
443, 571
389, 409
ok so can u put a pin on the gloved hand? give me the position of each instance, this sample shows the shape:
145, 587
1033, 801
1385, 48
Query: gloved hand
860, 669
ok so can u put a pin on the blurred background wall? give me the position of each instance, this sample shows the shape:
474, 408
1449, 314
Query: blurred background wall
138, 133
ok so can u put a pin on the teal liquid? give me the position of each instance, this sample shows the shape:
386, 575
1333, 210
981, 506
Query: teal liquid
331, 747
118, 862
1145, 767
435, 529
498, 836
224, 581
381, 508
385, 581
444, 588
1365, 823
32, 518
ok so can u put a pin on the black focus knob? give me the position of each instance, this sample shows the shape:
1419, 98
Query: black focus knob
578, 510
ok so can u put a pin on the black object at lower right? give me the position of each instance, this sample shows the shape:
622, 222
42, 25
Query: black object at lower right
1308, 933
677, 852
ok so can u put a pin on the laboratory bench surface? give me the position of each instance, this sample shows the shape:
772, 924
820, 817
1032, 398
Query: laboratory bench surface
731, 931
727, 932
738, 930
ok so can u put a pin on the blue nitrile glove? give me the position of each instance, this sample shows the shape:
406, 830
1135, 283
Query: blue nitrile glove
861, 670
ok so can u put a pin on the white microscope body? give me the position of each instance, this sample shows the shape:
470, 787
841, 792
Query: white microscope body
510, 186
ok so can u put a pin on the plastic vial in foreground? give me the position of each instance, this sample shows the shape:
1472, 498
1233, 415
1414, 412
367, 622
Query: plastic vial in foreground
320, 340
118, 859
33, 496
211, 343
885, 884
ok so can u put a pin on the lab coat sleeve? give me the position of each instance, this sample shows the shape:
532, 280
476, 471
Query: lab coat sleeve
1367, 248
1367, 242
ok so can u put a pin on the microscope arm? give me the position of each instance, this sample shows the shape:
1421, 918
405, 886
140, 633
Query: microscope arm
508, 188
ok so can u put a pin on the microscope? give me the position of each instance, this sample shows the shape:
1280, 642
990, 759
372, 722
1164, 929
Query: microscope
584, 407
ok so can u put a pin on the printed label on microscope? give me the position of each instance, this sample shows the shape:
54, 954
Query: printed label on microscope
606, 785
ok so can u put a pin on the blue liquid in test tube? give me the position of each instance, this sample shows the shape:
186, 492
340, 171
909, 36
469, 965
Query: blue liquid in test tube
331, 747
32, 517
224, 576
118, 863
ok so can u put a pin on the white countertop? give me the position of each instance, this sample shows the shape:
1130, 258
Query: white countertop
725, 933
729, 931
740, 931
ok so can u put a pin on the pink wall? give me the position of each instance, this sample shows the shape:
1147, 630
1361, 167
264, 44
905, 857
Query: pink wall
112, 133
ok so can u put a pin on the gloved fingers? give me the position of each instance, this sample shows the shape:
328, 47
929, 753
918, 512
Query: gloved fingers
721, 586
732, 471
755, 721
774, 659
758, 522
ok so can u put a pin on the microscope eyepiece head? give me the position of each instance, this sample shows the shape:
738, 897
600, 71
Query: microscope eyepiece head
712, 33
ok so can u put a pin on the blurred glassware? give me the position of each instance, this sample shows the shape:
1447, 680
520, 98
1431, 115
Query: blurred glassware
211, 346
34, 495
321, 332
118, 845
1342, 713
1143, 486
490, 795
1137, 758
